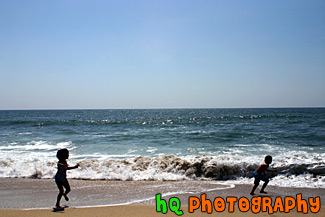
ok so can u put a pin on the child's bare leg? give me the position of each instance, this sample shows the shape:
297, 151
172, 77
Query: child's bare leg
60, 186
67, 190
264, 186
256, 183
253, 190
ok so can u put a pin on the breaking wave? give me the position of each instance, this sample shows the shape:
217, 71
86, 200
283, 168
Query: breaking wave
293, 169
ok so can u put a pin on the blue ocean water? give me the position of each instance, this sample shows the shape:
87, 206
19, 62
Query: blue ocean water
166, 144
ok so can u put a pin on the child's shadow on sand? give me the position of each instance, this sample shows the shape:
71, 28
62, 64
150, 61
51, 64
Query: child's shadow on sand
61, 209
265, 195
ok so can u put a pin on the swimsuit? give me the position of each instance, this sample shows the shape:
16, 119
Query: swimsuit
258, 177
61, 175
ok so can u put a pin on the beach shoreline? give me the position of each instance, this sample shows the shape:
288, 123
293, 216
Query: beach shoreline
36, 197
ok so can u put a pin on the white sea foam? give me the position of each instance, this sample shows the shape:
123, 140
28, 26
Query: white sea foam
295, 169
38, 145
23, 134
297, 181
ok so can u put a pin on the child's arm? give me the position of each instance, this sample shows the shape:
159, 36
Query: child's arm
75, 167
272, 170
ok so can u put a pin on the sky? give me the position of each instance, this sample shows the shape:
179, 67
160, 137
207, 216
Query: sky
132, 54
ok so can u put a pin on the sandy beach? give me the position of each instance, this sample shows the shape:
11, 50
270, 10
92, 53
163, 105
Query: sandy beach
36, 197
134, 211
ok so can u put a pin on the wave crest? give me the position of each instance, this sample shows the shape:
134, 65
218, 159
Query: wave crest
165, 167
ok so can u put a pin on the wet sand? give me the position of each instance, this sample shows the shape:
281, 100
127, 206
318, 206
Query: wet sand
128, 198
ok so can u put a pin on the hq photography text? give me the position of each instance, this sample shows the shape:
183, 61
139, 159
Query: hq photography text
255, 204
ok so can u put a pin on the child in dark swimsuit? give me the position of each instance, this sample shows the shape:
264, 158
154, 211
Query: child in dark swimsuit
259, 174
61, 175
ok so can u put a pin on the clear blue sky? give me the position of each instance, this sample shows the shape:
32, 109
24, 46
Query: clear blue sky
161, 54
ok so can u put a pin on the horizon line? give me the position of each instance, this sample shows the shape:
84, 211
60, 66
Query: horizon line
185, 108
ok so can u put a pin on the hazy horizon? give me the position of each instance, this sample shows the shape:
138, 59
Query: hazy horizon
75, 109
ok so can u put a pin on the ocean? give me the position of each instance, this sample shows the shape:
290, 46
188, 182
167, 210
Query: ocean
167, 144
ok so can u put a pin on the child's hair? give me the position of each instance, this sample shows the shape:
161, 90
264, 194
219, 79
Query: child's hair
268, 159
62, 154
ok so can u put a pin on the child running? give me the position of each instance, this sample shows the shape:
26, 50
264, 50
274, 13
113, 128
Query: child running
61, 175
259, 175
